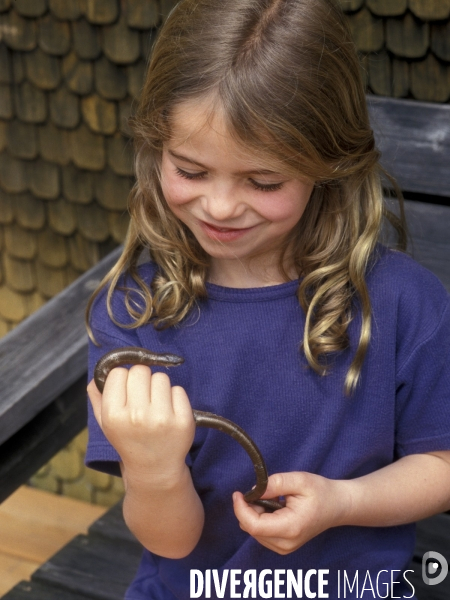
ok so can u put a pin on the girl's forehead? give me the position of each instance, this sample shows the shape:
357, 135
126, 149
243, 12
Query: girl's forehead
200, 127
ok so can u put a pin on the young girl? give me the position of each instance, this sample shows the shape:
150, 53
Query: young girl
258, 202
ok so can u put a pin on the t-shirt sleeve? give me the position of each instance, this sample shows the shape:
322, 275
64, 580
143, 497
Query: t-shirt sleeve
423, 381
100, 454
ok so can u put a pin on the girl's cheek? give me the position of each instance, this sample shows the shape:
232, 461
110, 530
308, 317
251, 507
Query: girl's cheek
174, 191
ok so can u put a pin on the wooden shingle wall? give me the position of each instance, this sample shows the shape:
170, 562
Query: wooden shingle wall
405, 46
70, 71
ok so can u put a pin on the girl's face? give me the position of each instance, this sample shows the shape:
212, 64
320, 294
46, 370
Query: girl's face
239, 207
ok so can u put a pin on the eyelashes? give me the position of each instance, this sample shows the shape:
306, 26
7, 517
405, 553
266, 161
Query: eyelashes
262, 187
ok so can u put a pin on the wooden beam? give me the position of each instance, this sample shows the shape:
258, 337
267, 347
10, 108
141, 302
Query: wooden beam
414, 138
39, 440
46, 353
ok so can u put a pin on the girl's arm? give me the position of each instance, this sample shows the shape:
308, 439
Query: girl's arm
412, 488
151, 426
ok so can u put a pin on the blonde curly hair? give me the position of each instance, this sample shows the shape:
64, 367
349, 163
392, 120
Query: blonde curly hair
287, 77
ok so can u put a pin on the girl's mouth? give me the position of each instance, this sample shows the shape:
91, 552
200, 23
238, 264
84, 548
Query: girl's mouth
223, 234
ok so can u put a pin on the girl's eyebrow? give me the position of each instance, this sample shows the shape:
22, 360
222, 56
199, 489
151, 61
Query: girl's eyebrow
198, 164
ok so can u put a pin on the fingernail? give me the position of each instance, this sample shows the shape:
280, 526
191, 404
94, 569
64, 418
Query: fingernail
234, 497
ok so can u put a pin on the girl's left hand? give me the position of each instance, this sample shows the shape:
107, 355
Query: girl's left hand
313, 504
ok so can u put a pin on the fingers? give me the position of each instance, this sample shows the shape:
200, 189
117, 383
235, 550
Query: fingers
142, 393
286, 484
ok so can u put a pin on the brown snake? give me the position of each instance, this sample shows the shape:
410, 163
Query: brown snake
140, 356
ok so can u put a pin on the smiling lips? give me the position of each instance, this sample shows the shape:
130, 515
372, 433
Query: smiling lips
223, 234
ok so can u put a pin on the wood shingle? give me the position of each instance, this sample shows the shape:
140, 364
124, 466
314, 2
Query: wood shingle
102, 13
99, 114
44, 179
30, 8
110, 80
20, 242
430, 10
401, 78
83, 254
12, 305
111, 190
6, 102
42, 69
351, 5
5, 64
92, 222
136, 75
120, 43
66, 10
142, 14
387, 8
64, 108
52, 248
54, 36
22, 139
61, 216
440, 40
430, 80
88, 149
125, 112
78, 186
147, 39
14, 177
407, 37
3, 134
18, 67
119, 154
86, 42
30, 103
380, 73
367, 31
18, 33
6, 208
118, 225
50, 281
78, 74
19, 274
54, 144
29, 211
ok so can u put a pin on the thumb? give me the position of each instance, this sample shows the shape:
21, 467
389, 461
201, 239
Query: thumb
96, 401
285, 484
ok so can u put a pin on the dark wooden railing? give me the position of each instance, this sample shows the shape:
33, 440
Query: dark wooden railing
43, 367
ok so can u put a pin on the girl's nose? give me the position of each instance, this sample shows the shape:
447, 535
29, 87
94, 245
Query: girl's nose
222, 203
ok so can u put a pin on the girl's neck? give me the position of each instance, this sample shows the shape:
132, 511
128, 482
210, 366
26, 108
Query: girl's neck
239, 274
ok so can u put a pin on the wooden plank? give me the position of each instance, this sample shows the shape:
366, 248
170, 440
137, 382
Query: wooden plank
433, 534
35, 523
92, 566
31, 590
112, 526
414, 138
424, 591
13, 569
46, 353
37, 441
429, 226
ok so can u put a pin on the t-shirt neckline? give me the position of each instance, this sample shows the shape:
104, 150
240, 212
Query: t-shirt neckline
271, 292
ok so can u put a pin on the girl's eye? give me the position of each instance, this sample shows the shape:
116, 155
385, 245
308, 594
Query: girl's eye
190, 176
266, 187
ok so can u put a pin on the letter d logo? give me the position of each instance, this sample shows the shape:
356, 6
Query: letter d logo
433, 564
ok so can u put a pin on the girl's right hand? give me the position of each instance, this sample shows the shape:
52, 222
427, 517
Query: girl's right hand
148, 422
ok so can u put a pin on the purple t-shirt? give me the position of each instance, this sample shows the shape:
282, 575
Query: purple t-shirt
242, 361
